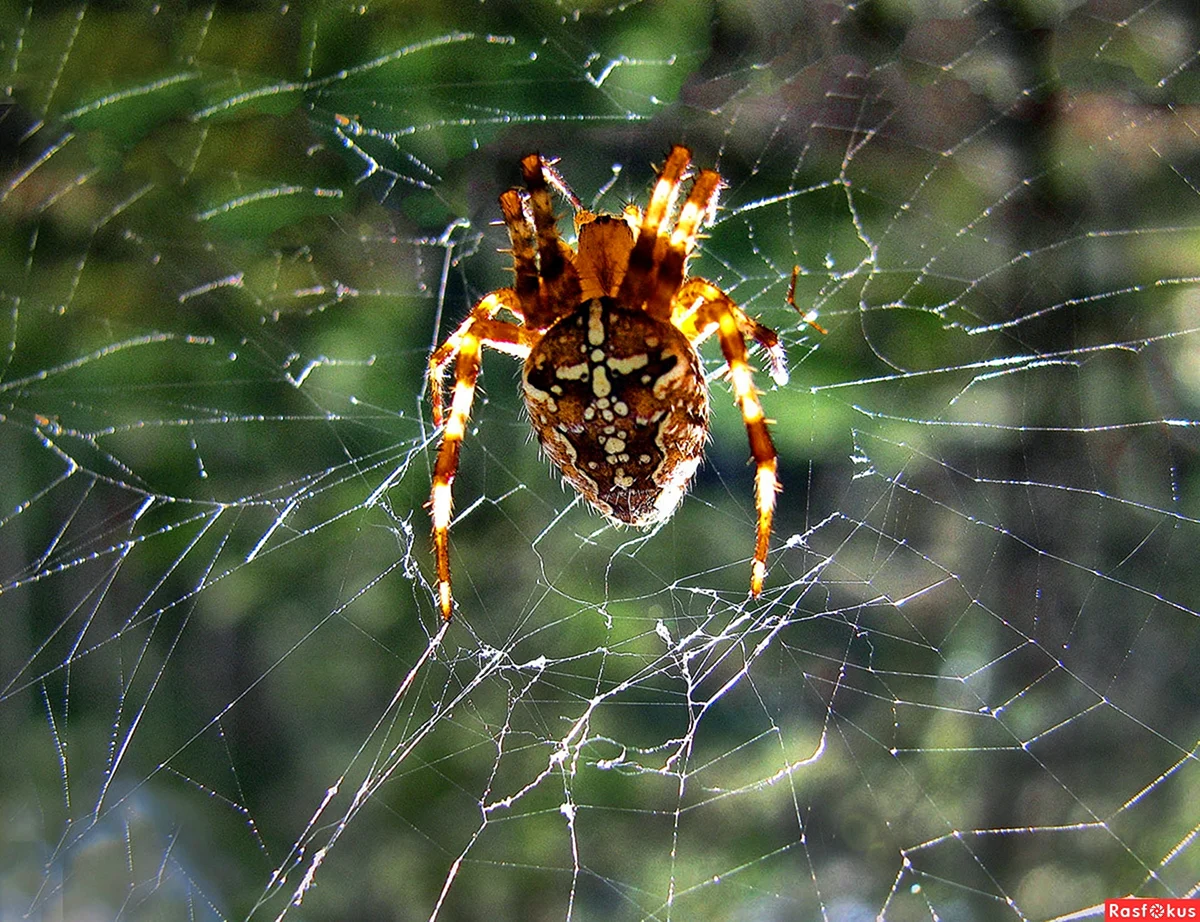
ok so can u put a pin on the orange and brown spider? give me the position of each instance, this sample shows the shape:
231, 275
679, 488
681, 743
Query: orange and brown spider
608, 332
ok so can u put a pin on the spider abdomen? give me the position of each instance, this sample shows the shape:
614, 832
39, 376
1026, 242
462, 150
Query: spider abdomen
618, 402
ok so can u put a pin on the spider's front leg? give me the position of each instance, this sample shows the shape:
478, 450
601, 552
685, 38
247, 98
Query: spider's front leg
466, 345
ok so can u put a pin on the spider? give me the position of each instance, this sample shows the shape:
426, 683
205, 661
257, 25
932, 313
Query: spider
612, 381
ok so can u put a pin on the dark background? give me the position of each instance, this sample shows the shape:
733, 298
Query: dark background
230, 235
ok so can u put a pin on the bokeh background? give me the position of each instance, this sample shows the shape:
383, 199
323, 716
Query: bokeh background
231, 233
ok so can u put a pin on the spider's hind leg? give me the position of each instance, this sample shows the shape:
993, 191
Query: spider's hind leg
715, 311
440, 497
699, 324
464, 346
506, 337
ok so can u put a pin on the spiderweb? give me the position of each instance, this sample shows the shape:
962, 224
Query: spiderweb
230, 236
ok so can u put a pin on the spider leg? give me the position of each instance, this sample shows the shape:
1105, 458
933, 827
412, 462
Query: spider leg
555, 179
687, 318
505, 337
639, 282
717, 311
520, 233
700, 202
560, 290
465, 344
440, 499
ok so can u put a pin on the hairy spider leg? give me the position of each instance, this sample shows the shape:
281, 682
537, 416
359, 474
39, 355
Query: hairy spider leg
700, 202
466, 343
505, 337
520, 234
639, 282
715, 310
440, 501
556, 181
684, 315
559, 290
544, 277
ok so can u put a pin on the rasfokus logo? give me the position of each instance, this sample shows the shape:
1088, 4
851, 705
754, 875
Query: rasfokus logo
1153, 909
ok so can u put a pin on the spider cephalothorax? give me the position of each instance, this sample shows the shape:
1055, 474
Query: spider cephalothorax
608, 332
